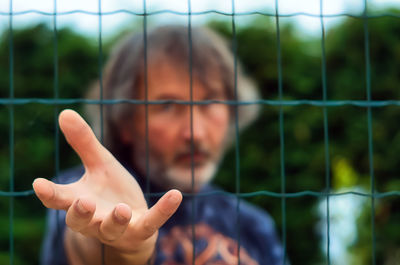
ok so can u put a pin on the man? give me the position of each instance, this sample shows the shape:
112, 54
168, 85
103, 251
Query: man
107, 217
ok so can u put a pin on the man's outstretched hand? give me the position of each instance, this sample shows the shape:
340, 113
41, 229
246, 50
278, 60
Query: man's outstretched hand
106, 203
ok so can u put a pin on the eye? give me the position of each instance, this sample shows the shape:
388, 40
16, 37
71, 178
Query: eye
166, 107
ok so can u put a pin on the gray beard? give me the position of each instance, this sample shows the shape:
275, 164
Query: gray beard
182, 178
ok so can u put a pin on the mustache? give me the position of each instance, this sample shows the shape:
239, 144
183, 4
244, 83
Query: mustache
193, 150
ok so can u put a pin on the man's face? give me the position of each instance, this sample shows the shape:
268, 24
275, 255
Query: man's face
170, 132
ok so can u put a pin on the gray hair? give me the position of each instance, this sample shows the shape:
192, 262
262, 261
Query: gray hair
125, 71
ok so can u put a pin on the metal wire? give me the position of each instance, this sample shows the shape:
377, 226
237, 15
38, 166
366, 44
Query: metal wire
376, 195
11, 137
266, 102
56, 107
237, 138
369, 124
280, 103
326, 133
190, 72
207, 12
146, 97
101, 105
281, 131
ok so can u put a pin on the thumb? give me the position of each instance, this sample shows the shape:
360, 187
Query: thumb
55, 196
157, 215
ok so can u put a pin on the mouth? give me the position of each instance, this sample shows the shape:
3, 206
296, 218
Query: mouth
198, 158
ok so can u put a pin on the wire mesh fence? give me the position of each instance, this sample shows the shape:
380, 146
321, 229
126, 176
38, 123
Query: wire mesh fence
328, 110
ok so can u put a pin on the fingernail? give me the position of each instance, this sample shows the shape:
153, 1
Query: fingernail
118, 217
80, 207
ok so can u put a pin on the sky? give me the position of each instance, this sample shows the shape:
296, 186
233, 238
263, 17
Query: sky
111, 23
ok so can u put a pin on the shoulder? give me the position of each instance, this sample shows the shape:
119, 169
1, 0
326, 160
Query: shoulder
232, 205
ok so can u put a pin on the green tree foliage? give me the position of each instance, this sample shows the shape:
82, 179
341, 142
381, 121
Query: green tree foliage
34, 133
260, 147
304, 162
348, 81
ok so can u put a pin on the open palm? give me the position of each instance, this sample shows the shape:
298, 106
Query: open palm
106, 203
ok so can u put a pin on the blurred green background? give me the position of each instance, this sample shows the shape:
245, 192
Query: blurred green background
260, 164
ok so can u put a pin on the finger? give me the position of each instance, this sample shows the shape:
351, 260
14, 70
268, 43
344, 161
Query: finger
55, 196
157, 215
80, 214
115, 223
82, 139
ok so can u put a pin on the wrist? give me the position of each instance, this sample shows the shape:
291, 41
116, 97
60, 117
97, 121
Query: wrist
115, 256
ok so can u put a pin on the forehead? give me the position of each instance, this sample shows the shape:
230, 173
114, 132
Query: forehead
171, 80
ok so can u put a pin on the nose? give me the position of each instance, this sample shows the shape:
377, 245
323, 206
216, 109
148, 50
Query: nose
198, 124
